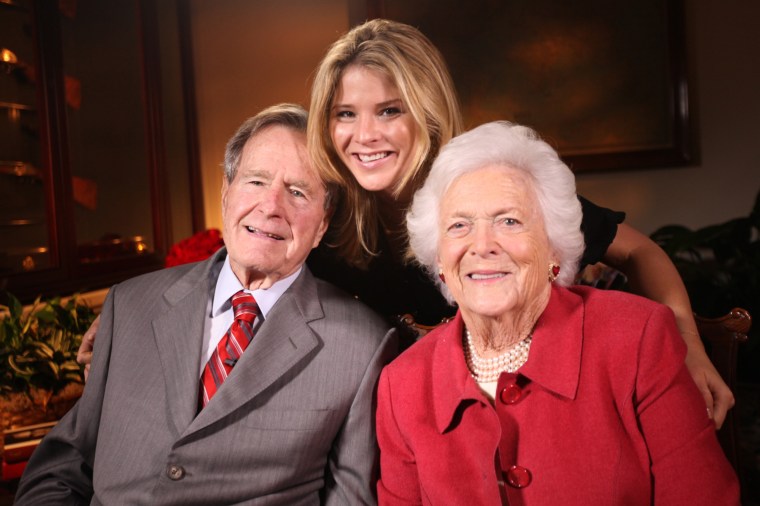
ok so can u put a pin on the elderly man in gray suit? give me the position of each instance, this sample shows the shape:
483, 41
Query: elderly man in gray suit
190, 401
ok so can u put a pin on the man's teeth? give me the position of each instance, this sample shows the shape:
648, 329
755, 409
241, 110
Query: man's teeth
257, 231
487, 276
372, 158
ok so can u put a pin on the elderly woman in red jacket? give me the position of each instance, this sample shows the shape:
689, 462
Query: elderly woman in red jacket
536, 393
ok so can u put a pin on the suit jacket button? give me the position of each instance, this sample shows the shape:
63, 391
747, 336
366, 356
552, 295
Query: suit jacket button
510, 394
518, 476
175, 472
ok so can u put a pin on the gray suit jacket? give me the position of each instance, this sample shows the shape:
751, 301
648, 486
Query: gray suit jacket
293, 423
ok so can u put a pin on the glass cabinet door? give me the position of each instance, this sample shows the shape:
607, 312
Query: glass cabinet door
84, 194
105, 116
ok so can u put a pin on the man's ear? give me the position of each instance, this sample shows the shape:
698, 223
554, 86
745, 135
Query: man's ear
330, 212
224, 192
323, 226
225, 188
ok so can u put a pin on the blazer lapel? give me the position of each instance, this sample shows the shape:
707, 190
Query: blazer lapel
280, 344
179, 337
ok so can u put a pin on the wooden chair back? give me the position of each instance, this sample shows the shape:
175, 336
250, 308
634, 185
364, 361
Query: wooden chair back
723, 336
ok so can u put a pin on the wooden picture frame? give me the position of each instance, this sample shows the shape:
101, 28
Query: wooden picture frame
603, 82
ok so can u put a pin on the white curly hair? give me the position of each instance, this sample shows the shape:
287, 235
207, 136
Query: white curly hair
510, 145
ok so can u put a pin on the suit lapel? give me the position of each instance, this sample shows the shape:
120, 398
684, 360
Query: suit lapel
179, 337
282, 342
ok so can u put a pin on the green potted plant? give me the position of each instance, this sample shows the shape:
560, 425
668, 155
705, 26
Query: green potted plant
39, 376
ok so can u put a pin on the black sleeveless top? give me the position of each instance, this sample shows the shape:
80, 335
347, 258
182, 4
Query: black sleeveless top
393, 288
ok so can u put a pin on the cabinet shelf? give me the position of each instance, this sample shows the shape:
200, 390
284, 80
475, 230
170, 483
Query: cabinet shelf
10, 4
18, 107
21, 251
19, 169
20, 223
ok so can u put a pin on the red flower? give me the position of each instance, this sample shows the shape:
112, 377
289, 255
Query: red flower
194, 249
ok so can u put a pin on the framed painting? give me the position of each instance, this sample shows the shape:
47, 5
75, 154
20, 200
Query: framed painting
603, 82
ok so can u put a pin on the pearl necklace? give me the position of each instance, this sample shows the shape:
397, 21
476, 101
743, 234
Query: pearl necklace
486, 370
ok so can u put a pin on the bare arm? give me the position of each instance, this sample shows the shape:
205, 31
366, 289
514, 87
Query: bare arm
651, 274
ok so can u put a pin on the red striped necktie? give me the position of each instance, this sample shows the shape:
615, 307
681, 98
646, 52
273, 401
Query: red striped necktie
230, 347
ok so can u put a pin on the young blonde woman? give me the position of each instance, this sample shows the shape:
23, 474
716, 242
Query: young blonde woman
382, 105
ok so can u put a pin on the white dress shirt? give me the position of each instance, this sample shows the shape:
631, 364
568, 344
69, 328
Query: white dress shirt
220, 315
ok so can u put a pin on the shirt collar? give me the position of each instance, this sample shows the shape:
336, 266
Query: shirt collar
227, 285
554, 362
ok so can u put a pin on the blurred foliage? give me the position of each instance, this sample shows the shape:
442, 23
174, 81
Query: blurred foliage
38, 348
720, 266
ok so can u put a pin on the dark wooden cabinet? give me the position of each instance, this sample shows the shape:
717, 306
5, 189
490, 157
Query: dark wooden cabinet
85, 193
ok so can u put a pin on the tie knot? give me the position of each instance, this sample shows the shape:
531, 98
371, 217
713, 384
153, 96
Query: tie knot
244, 306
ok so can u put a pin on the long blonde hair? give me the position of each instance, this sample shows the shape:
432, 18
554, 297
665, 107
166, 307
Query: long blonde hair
418, 70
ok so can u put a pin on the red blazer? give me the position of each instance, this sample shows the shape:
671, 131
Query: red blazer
603, 413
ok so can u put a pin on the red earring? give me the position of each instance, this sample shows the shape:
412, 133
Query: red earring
441, 276
553, 272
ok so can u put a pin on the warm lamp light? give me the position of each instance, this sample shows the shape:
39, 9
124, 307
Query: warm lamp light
8, 56
8, 60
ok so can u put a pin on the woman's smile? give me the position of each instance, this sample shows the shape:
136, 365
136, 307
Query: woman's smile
483, 276
364, 158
